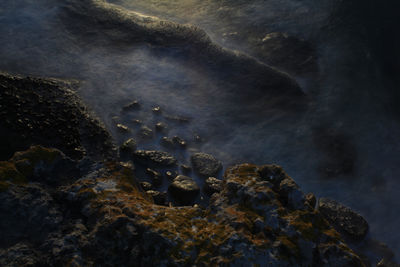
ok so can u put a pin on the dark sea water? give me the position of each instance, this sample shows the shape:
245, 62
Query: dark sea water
354, 99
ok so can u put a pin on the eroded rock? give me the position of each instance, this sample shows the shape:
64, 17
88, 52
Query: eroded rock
153, 157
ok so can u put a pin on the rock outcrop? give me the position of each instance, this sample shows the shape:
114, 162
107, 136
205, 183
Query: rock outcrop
104, 218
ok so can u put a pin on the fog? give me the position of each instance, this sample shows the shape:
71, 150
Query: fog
342, 142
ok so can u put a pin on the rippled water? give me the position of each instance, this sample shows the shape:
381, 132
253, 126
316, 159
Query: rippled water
352, 100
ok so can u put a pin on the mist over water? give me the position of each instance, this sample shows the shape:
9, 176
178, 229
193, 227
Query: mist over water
351, 100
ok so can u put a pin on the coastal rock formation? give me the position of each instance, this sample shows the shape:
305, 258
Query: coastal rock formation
104, 218
113, 23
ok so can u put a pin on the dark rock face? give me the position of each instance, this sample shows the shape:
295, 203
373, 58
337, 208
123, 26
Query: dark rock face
152, 157
343, 218
184, 189
205, 164
48, 112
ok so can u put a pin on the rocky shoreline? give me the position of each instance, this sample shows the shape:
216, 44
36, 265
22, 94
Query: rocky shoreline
88, 207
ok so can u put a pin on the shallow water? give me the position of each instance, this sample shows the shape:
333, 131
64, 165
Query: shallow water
350, 107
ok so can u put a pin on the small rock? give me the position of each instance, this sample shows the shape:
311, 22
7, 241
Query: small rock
177, 119
123, 128
184, 189
134, 105
146, 186
343, 218
159, 198
170, 174
212, 185
155, 157
161, 127
179, 141
205, 164
146, 132
129, 146
156, 110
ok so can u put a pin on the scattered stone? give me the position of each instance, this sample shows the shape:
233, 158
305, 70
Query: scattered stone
343, 218
155, 177
160, 198
184, 189
156, 110
146, 132
129, 146
154, 157
161, 127
134, 105
146, 186
212, 185
205, 164
179, 141
123, 128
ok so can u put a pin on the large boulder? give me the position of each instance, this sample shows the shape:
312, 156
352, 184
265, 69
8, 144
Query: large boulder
205, 164
343, 218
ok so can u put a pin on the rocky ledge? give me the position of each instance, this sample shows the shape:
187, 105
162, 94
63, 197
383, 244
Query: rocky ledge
102, 217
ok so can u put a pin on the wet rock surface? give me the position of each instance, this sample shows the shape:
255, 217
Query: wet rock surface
205, 164
344, 219
212, 185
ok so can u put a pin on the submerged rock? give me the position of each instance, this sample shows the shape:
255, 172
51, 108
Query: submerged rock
154, 157
184, 189
205, 164
155, 177
343, 218
145, 132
